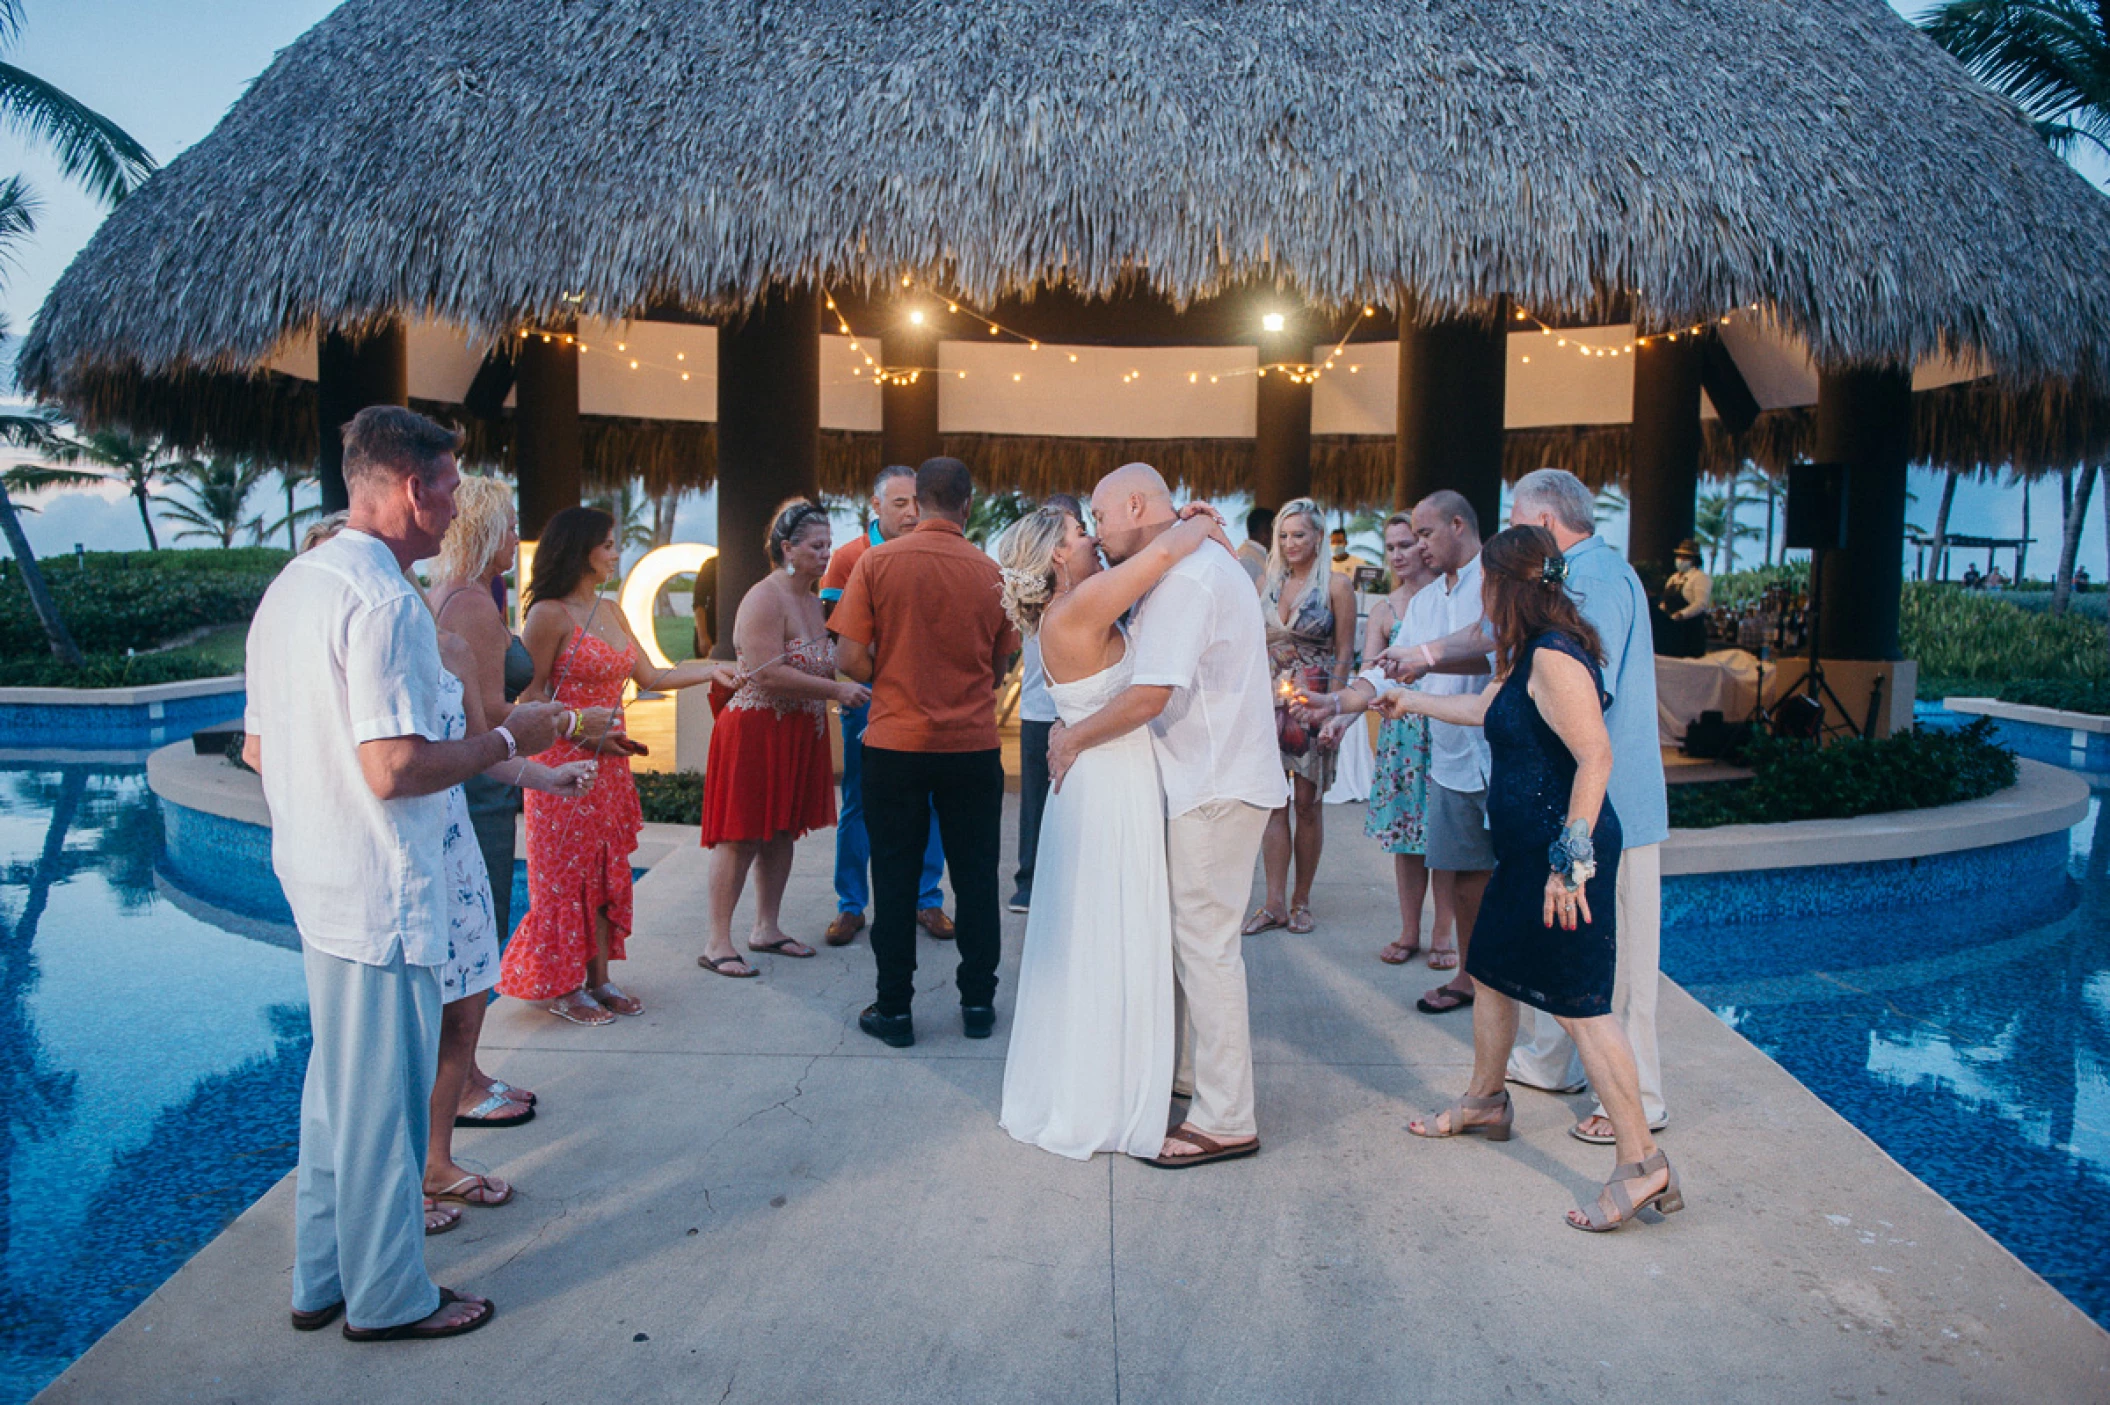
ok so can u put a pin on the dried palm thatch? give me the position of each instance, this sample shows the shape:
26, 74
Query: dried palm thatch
493, 163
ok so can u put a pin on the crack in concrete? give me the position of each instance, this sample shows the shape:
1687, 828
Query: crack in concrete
563, 1213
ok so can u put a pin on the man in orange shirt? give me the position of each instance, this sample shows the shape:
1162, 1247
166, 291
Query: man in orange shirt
893, 515
921, 621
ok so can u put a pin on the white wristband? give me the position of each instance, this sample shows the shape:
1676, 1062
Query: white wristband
512, 746
1427, 657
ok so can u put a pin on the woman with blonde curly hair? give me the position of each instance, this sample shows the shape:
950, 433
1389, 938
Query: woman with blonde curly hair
1090, 1064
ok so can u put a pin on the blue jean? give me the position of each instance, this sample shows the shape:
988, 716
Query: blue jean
853, 847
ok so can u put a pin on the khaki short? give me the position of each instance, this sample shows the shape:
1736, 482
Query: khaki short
1456, 824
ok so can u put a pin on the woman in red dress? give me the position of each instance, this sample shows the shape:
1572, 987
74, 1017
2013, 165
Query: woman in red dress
770, 777
578, 851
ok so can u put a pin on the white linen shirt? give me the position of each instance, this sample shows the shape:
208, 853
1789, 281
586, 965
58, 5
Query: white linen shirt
1457, 755
342, 651
1199, 632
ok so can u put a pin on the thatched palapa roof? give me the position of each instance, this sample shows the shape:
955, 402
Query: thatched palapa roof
495, 163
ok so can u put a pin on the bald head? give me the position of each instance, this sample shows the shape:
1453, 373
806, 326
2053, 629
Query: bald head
1130, 506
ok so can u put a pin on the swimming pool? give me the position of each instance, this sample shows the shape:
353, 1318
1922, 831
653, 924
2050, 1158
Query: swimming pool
1970, 1042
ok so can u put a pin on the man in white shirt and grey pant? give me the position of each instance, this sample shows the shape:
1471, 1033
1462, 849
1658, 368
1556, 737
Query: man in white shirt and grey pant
344, 726
1201, 685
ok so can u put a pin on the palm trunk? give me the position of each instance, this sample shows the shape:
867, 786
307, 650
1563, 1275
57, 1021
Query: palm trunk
2022, 551
292, 542
62, 646
146, 518
1941, 522
2070, 538
1729, 530
1771, 496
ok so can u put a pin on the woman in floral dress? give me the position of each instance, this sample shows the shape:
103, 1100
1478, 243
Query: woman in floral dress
770, 777
1310, 613
1399, 787
578, 851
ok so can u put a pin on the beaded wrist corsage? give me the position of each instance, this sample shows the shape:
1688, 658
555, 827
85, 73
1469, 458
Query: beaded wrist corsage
1573, 856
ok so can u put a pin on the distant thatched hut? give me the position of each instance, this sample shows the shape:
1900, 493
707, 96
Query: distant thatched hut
531, 166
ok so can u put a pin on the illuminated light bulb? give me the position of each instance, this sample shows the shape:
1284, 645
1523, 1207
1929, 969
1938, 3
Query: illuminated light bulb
855, 347
583, 346
1527, 360
1193, 378
914, 376
830, 302
1673, 336
1032, 346
1725, 319
684, 375
1073, 358
1212, 380
681, 356
567, 341
994, 329
1354, 370
916, 317
904, 280
1520, 314
620, 347
1272, 322
1369, 312
854, 370
1016, 376
963, 375
1261, 372
1562, 342
545, 337
952, 307
633, 365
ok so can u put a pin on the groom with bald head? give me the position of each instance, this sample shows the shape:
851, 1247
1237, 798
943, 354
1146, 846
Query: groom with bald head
1201, 685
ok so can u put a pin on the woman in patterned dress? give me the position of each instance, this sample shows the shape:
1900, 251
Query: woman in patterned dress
579, 850
770, 778
1310, 614
1400, 784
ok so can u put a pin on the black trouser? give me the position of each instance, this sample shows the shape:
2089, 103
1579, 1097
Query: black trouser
1032, 794
966, 789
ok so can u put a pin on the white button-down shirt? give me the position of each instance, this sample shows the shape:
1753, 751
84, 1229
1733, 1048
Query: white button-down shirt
1457, 755
1199, 632
342, 651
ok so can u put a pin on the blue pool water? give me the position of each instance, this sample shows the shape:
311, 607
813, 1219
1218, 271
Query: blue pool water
1970, 1041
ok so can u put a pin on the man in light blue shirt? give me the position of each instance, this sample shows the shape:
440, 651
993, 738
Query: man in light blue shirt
1611, 598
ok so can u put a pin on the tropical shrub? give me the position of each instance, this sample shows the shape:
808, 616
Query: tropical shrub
2066, 694
41, 670
671, 797
1792, 780
114, 601
1956, 634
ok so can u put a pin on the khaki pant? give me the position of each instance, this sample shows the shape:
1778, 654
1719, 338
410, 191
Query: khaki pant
1547, 1058
1209, 859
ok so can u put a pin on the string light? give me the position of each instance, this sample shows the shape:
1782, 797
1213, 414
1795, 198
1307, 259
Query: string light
1632, 344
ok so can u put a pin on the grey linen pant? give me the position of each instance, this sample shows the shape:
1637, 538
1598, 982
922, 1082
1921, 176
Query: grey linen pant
359, 1210
1209, 859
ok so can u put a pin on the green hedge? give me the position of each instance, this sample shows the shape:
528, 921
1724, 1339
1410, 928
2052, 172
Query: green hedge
136, 599
1792, 781
671, 797
2070, 695
109, 670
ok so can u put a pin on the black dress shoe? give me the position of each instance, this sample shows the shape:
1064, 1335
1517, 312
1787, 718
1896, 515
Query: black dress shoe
895, 1031
979, 1021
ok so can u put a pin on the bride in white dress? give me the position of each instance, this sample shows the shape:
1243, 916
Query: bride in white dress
1090, 1063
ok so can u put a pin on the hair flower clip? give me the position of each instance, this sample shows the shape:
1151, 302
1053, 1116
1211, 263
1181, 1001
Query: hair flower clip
1555, 571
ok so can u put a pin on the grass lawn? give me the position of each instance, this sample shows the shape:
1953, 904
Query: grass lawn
220, 652
677, 636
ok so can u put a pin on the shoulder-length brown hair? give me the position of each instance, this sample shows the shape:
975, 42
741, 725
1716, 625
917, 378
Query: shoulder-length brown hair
1523, 583
562, 555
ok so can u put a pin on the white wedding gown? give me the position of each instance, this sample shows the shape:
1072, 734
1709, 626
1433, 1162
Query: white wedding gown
1090, 1064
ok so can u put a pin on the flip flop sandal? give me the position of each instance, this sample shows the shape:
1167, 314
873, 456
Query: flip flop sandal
1458, 1001
1209, 1150
577, 1011
481, 1114
512, 1094
446, 1226
716, 966
411, 1331
471, 1190
784, 948
1406, 953
320, 1318
1262, 921
1300, 922
1606, 1138
1443, 958
611, 997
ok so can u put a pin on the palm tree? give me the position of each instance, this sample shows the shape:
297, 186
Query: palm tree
139, 464
2051, 58
630, 509
217, 494
96, 152
290, 477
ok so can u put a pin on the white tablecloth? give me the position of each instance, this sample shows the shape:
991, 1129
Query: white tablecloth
1726, 681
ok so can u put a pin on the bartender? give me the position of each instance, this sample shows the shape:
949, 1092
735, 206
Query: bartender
1681, 611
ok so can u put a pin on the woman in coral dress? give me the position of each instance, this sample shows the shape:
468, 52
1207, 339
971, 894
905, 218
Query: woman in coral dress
578, 850
770, 777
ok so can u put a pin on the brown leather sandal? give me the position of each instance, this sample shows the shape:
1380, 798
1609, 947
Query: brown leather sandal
1209, 1149
411, 1331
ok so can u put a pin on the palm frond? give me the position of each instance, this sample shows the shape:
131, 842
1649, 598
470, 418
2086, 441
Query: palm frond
90, 147
10, 22
36, 430
36, 477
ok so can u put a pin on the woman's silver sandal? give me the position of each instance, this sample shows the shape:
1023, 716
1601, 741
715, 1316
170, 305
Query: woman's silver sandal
1495, 1131
1668, 1201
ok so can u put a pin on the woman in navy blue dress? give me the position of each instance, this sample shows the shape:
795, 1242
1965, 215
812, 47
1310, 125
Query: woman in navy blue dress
1544, 935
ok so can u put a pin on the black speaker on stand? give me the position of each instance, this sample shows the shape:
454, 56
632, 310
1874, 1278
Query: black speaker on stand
1816, 523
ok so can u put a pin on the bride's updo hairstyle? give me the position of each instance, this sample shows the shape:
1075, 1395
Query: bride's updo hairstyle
1026, 551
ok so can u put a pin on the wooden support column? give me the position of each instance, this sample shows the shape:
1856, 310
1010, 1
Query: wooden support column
1453, 379
351, 374
769, 428
1664, 481
1864, 420
1281, 420
908, 410
549, 449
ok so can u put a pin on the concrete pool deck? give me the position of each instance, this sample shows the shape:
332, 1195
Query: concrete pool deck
740, 1197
